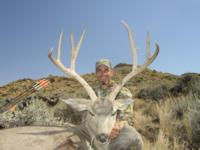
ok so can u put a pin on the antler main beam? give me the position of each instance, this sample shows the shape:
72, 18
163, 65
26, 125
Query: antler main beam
135, 68
71, 70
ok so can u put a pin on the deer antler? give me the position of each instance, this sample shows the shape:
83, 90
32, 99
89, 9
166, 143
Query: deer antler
71, 71
135, 68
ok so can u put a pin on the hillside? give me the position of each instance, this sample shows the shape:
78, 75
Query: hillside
165, 103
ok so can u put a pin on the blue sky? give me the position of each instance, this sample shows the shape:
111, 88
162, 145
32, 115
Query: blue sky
29, 28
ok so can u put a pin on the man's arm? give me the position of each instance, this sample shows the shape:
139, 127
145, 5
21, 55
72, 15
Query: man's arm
123, 94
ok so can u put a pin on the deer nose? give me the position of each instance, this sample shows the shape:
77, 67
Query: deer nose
102, 137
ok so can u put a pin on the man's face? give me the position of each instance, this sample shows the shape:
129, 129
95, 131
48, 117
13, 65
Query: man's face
104, 74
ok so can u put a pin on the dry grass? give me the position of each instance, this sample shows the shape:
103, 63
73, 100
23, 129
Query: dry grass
163, 143
177, 126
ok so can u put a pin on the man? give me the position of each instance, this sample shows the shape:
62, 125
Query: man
129, 135
105, 84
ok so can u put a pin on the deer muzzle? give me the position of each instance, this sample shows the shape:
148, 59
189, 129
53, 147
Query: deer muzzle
102, 137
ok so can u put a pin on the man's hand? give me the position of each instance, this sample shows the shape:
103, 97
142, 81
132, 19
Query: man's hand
115, 130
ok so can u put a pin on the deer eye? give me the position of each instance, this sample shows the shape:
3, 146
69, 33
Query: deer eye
91, 114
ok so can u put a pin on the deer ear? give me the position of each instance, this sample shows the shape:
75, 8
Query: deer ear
78, 104
122, 104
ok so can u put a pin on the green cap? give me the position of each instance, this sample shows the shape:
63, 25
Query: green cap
105, 62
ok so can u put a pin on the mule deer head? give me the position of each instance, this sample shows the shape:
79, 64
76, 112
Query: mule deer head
101, 112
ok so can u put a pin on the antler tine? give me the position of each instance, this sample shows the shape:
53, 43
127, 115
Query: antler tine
148, 46
135, 68
132, 45
59, 46
50, 55
71, 71
75, 50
